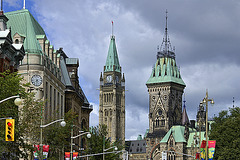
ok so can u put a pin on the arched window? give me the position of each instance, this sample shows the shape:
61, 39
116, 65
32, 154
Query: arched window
16, 41
162, 122
83, 124
157, 122
106, 113
171, 155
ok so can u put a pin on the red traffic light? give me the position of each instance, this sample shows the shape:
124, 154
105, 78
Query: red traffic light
9, 132
9, 124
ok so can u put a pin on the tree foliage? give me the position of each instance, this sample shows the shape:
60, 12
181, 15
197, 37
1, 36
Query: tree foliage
26, 117
226, 132
95, 143
58, 137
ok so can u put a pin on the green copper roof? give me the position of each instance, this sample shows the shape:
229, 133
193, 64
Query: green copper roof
165, 70
112, 63
195, 135
23, 23
177, 132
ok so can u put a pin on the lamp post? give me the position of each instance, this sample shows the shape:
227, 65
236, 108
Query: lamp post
63, 124
17, 101
96, 154
205, 101
104, 150
73, 137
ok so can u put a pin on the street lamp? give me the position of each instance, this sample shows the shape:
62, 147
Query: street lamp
104, 150
205, 101
17, 101
63, 124
73, 137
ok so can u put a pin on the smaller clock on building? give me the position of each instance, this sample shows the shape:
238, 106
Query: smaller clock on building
109, 78
36, 80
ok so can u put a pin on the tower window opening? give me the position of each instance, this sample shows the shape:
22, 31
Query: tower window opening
162, 122
157, 123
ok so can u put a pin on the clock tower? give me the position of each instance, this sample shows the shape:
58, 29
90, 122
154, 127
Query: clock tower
112, 96
165, 88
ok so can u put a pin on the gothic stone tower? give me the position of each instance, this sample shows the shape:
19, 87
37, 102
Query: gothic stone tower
165, 88
112, 96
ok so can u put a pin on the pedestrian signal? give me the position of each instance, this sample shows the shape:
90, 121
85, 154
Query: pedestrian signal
9, 134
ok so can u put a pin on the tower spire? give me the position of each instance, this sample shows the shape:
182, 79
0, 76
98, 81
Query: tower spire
184, 101
166, 36
185, 119
166, 48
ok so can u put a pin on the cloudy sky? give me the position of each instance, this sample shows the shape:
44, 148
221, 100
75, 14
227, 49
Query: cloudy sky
206, 36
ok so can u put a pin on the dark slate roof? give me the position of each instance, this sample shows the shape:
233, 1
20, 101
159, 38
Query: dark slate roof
66, 79
136, 146
157, 133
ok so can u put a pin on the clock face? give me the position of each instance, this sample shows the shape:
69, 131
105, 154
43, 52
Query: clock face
36, 80
109, 78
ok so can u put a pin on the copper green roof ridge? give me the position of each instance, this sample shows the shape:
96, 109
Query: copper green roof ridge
177, 132
165, 70
23, 23
112, 58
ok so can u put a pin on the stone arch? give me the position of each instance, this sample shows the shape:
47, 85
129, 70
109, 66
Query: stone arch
155, 152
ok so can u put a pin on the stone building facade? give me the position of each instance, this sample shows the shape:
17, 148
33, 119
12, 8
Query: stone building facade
40, 66
76, 100
51, 74
112, 96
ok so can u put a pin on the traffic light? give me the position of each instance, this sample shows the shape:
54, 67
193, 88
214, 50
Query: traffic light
9, 134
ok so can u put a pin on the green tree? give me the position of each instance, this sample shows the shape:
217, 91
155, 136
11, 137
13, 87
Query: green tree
226, 132
26, 117
58, 137
95, 143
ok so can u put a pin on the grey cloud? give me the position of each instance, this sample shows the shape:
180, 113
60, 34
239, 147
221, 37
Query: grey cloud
205, 34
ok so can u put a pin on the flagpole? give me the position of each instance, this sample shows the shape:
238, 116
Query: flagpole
24, 4
112, 28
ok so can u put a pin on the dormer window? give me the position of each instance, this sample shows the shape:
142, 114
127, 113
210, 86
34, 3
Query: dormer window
16, 41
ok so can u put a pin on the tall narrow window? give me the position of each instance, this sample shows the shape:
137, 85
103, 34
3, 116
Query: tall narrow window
58, 104
62, 109
54, 101
50, 100
46, 101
